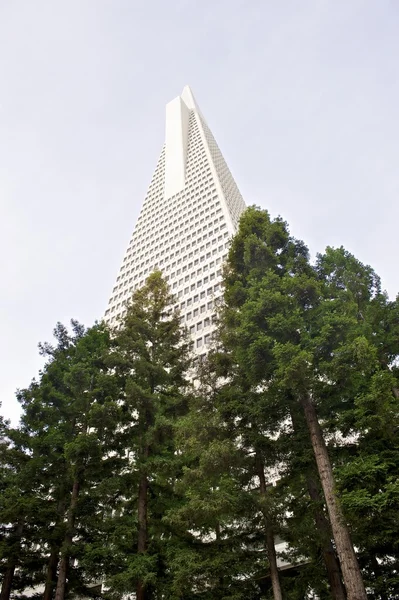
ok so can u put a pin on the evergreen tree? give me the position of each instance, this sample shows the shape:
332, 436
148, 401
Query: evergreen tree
122, 471
367, 476
366, 411
13, 511
69, 421
306, 527
252, 424
150, 359
275, 327
221, 554
23, 516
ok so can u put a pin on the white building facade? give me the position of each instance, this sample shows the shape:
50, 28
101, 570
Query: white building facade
191, 210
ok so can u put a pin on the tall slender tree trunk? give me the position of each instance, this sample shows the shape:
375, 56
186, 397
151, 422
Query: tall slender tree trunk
7, 580
11, 565
142, 541
322, 524
51, 574
64, 563
221, 578
327, 549
271, 550
350, 568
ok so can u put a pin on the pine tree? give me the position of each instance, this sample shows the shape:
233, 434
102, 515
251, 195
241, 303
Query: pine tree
12, 515
220, 553
20, 512
367, 477
252, 424
122, 471
150, 360
275, 326
69, 418
306, 527
365, 411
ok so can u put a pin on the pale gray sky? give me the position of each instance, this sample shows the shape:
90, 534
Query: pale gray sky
302, 97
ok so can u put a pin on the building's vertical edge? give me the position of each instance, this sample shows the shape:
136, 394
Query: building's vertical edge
188, 98
176, 140
215, 174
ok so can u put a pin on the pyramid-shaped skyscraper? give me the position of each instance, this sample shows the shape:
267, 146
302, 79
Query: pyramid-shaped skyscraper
190, 212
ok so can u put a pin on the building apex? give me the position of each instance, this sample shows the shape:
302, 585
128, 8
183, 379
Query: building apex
191, 179
188, 97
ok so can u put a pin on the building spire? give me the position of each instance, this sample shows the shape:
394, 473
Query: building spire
188, 98
191, 210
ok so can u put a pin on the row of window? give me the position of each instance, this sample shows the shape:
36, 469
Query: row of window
209, 292
123, 276
183, 204
198, 272
204, 184
154, 232
196, 298
179, 210
199, 283
144, 251
187, 303
201, 324
130, 255
124, 283
179, 271
203, 341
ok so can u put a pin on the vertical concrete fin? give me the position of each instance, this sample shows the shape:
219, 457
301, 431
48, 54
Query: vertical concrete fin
176, 142
188, 98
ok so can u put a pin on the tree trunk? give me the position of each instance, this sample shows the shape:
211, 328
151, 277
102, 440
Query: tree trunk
349, 566
63, 570
51, 574
271, 550
327, 549
142, 528
221, 578
322, 523
11, 566
140, 591
7, 581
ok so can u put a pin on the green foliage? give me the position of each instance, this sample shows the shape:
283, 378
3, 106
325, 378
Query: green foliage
169, 475
150, 359
66, 435
219, 555
326, 332
369, 483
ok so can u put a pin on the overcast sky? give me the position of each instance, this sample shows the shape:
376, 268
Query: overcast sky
302, 97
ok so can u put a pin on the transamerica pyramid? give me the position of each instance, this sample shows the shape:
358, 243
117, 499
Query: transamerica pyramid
190, 212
